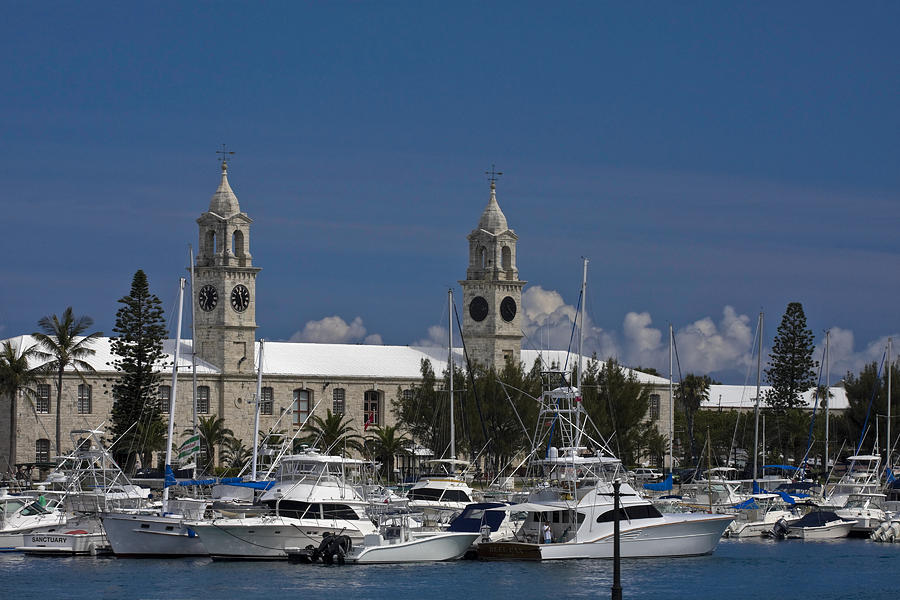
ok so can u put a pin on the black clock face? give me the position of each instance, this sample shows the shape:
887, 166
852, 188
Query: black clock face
240, 298
478, 308
208, 298
508, 309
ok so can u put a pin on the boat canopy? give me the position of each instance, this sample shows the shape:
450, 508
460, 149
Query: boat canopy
662, 486
530, 507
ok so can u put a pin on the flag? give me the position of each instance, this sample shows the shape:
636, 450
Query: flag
370, 420
188, 451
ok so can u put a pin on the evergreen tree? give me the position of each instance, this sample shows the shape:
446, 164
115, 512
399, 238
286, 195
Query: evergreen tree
791, 369
138, 348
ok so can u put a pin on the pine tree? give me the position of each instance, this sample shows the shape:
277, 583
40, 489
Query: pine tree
791, 369
138, 348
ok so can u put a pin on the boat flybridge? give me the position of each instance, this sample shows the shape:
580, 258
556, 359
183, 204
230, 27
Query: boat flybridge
574, 502
313, 496
862, 477
442, 493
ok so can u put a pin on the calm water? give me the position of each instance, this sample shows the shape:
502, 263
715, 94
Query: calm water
738, 569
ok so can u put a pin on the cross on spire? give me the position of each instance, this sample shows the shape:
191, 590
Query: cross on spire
225, 153
492, 175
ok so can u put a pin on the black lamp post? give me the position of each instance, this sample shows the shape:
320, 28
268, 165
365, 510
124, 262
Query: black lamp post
617, 575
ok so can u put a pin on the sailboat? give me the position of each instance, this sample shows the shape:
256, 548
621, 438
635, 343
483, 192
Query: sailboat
166, 533
442, 493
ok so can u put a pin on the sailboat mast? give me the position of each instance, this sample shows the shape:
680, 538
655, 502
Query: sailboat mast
450, 370
173, 395
671, 398
259, 371
759, 327
888, 458
827, 394
193, 359
581, 351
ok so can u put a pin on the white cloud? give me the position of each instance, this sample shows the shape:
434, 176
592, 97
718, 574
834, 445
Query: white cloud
723, 345
334, 330
437, 338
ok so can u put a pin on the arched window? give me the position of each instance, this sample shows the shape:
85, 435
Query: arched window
42, 451
301, 406
42, 399
372, 409
483, 257
654, 407
506, 257
210, 241
84, 399
165, 398
339, 401
237, 243
203, 399
266, 401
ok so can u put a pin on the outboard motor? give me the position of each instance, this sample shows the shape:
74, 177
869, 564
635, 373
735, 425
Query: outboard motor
334, 548
780, 530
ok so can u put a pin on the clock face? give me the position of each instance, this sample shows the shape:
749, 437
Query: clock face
208, 298
478, 308
240, 298
508, 309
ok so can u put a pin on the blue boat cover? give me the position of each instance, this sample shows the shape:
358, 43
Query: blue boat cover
475, 515
170, 477
661, 486
748, 504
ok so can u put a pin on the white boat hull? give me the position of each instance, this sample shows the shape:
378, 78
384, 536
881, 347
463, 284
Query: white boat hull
430, 548
829, 531
150, 535
64, 543
269, 538
671, 535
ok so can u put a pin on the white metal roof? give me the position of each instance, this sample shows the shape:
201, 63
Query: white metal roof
303, 359
744, 397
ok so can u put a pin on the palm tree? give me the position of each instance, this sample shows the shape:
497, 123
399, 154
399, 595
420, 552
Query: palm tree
694, 389
385, 444
235, 453
331, 432
152, 435
213, 433
17, 375
66, 344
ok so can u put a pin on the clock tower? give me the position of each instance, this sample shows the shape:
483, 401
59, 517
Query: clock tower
225, 282
492, 291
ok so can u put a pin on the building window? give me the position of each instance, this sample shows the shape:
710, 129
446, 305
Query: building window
165, 398
203, 400
84, 399
42, 451
371, 408
407, 395
654, 407
267, 399
300, 407
506, 257
339, 404
42, 400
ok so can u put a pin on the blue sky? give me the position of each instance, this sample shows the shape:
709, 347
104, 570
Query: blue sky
711, 159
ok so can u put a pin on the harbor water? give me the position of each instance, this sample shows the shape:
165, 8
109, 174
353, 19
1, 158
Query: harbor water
842, 569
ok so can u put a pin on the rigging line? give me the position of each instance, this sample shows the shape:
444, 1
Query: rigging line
572, 335
812, 421
471, 374
871, 401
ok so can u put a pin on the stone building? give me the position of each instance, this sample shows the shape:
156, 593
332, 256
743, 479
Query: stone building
298, 378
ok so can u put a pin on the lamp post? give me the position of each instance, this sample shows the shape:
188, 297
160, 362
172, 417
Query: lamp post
617, 575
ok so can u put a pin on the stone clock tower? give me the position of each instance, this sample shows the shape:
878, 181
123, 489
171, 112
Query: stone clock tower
225, 282
492, 292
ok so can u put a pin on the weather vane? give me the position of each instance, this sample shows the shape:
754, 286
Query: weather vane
493, 174
225, 152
